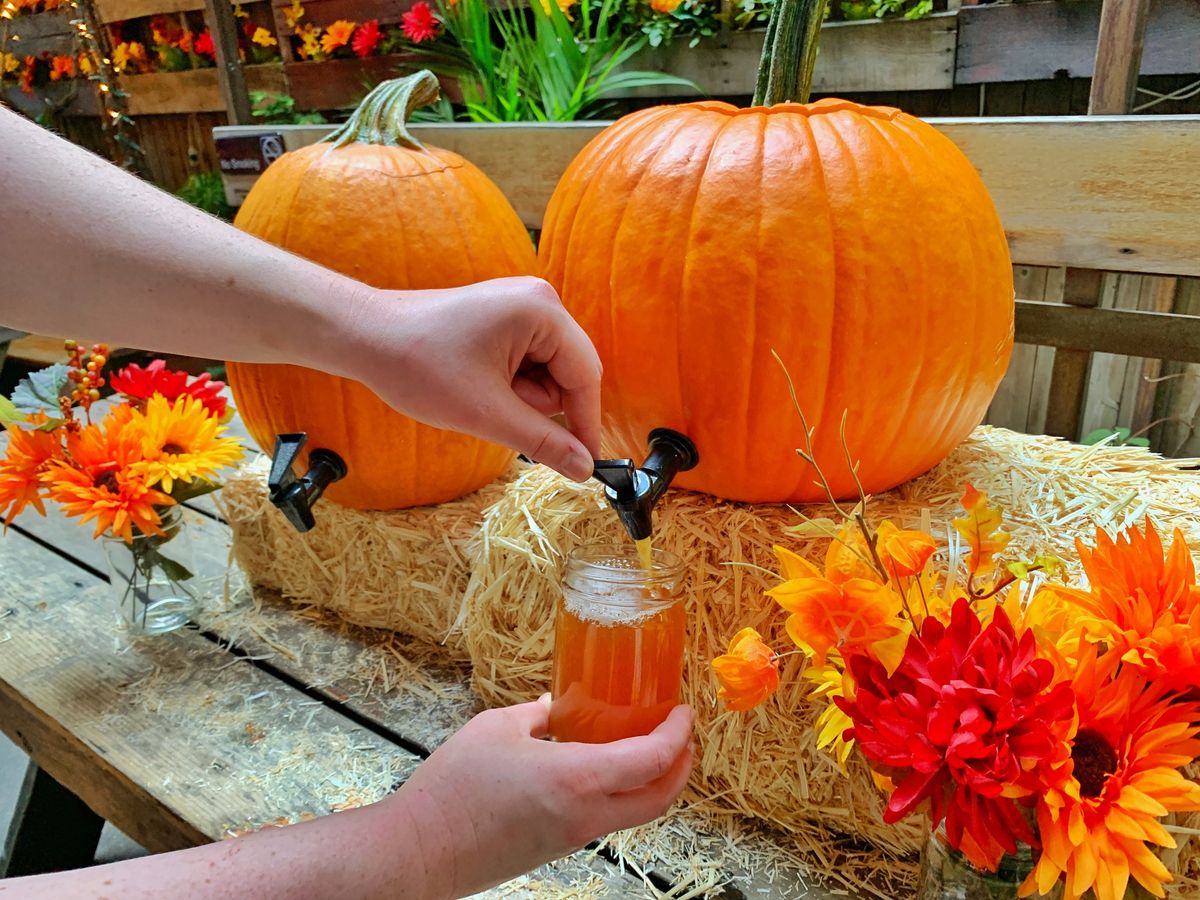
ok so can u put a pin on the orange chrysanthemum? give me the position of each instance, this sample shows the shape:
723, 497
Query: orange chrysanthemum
29, 453
97, 481
1096, 818
337, 35
749, 672
834, 613
180, 441
1142, 603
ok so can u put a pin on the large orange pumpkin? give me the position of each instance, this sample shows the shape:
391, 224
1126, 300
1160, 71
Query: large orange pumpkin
377, 206
858, 243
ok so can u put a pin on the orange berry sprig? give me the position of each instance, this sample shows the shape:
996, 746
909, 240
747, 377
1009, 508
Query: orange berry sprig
86, 374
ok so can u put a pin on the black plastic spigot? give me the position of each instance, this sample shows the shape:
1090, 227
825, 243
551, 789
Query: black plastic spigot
633, 491
294, 495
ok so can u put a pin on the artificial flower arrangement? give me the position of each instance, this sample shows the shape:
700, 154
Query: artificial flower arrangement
127, 472
345, 38
1011, 707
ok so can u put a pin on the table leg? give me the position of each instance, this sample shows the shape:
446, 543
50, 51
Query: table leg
53, 830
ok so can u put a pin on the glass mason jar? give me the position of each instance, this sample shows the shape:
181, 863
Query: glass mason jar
618, 644
946, 874
150, 575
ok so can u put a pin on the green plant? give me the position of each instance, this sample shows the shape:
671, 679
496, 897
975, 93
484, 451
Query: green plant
544, 66
1115, 437
885, 9
693, 19
206, 191
280, 109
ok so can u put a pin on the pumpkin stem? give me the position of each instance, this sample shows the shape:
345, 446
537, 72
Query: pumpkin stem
789, 52
382, 117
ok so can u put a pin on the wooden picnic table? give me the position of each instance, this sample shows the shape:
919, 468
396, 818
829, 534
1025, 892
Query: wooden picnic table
266, 714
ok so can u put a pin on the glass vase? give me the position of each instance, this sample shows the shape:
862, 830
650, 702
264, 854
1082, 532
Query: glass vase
946, 874
150, 577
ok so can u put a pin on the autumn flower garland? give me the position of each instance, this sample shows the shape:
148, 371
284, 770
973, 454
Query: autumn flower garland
1010, 706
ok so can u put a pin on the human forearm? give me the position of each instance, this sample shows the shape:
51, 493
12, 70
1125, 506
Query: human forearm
90, 250
368, 853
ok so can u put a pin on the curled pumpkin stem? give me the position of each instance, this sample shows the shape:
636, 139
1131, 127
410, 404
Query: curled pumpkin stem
382, 117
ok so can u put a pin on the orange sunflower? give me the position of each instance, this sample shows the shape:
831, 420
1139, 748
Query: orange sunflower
844, 610
97, 481
1141, 602
29, 453
1097, 816
180, 441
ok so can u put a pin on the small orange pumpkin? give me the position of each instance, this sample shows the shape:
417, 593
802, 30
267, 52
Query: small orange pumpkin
374, 204
693, 241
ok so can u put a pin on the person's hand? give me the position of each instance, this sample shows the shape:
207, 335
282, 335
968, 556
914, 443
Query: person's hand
495, 801
494, 359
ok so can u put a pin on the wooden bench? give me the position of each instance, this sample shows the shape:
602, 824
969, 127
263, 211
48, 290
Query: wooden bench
265, 715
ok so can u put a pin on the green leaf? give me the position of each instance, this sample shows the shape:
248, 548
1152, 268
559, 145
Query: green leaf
1019, 570
1051, 566
175, 571
1138, 442
184, 491
41, 390
9, 414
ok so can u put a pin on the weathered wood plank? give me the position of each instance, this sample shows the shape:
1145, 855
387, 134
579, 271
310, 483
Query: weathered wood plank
1116, 197
1120, 195
123, 10
171, 739
1068, 378
1155, 335
1019, 394
22, 29
1036, 41
1119, 56
1177, 405
231, 79
196, 90
895, 55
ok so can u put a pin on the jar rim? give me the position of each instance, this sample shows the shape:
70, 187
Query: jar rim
595, 562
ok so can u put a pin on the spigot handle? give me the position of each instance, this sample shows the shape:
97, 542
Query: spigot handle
618, 475
295, 496
287, 451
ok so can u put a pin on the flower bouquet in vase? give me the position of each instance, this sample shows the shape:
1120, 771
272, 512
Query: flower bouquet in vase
1042, 726
126, 464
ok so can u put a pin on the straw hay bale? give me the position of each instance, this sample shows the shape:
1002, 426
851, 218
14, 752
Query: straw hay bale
763, 763
404, 570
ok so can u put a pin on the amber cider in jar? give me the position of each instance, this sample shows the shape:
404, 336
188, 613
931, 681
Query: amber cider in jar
618, 644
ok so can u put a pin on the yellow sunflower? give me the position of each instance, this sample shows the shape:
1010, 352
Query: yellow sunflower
180, 441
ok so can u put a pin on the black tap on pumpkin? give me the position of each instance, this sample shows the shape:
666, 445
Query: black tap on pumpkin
633, 491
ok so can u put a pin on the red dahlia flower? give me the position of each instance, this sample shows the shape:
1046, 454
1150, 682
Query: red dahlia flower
366, 38
141, 384
968, 721
419, 24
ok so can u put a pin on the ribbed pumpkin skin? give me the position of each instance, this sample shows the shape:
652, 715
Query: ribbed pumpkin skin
858, 243
393, 218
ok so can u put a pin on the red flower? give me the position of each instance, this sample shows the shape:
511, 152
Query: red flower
203, 45
141, 384
27, 75
366, 38
969, 721
419, 24
249, 26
